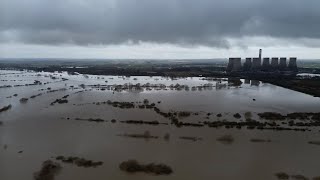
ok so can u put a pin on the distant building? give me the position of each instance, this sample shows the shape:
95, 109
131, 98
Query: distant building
292, 64
260, 54
247, 64
236, 64
230, 65
283, 63
266, 64
274, 63
254, 64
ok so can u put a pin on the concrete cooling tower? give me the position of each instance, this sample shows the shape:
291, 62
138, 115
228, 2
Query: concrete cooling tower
293, 64
247, 64
266, 63
237, 64
230, 65
283, 63
256, 64
274, 62
234, 64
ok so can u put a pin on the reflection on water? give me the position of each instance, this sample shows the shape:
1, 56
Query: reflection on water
308, 75
255, 83
42, 131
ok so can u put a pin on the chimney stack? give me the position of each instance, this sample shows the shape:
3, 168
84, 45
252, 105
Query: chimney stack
260, 54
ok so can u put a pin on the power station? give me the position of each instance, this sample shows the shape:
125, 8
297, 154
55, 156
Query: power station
260, 63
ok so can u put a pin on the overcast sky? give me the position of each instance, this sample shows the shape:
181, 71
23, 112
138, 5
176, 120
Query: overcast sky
159, 28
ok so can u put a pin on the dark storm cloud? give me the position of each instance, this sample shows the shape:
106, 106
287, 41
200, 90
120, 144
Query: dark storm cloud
182, 22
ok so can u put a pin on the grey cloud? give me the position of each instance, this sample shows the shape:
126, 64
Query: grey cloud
182, 22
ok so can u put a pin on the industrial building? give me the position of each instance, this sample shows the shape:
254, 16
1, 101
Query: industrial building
256, 64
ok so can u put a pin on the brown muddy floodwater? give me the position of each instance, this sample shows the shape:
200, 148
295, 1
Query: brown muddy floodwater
42, 128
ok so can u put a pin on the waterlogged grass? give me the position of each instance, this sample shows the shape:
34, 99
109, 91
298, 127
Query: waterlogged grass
226, 139
133, 166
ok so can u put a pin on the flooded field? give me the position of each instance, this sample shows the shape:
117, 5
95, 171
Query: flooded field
93, 127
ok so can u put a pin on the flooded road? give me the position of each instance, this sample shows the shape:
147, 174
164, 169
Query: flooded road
42, 128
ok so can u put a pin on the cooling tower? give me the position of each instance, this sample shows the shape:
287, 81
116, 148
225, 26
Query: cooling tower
283, 63
256, 64
236, 64
230, 65
274, 63
247, 64
266, 63
249, 61
293, 64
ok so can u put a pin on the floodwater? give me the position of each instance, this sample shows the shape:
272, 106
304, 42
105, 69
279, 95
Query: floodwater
42, 131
